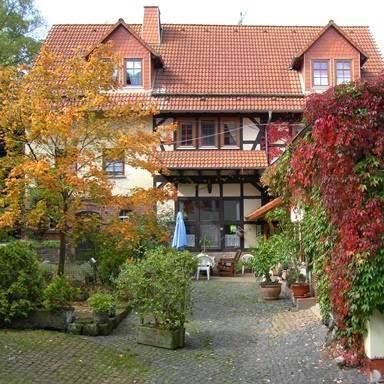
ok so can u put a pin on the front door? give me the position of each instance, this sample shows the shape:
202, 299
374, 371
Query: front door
211, 222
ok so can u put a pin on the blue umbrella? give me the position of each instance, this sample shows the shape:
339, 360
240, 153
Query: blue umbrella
180, 235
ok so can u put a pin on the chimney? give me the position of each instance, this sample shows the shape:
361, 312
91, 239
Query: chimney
151, 28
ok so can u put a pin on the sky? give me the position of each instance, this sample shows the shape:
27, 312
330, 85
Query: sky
261, 12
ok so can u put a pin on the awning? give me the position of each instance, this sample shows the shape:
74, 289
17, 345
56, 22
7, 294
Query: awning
262, 211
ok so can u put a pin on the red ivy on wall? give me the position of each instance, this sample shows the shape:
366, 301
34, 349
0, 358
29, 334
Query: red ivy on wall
341, 157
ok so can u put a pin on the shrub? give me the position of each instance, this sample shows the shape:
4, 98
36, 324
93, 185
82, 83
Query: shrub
160, 286
279, 248
21, 282
60, 294
101, 302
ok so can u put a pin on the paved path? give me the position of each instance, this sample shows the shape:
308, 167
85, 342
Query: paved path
234, 337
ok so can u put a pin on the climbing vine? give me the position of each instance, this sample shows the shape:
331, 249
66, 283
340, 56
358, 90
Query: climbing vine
343, 160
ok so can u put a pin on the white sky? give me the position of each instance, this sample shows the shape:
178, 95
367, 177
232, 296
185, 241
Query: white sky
265, 12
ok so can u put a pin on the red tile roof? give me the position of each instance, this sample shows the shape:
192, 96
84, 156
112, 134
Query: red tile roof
213, 159
220, 62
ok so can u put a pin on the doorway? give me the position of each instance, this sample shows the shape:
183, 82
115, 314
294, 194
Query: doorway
212, 222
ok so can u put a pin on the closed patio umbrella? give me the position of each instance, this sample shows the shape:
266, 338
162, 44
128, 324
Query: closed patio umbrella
179, 240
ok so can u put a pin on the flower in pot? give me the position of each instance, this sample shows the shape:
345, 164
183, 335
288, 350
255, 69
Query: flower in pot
265, 258
102, 305
160, 290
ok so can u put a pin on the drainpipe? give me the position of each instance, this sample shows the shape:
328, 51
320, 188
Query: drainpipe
266, 134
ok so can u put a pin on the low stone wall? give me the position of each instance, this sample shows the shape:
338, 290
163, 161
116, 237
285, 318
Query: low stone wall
66, 322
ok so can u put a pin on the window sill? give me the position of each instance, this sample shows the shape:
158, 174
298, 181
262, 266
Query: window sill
208, 147
185, 147
116, 176
230, 147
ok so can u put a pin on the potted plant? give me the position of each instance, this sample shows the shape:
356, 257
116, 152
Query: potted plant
102, 305
160, 290
263, 261
297, 282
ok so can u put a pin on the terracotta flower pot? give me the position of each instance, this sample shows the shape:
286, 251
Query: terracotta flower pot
270, 291
300, 289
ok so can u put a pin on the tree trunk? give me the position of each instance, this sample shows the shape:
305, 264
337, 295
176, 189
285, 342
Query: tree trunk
62, 254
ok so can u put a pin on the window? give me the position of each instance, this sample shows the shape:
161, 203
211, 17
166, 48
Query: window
231, 210
208, 133
343, 71
230, 133
133, 72
187, 134
124, 214
113, 165
320, 75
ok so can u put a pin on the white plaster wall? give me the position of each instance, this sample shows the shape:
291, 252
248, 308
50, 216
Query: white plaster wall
166, 210
250, 131
250, 205
374, 340
231, 190
186, 190
133, 178
252, 233
169, 147
251, 190
203, 190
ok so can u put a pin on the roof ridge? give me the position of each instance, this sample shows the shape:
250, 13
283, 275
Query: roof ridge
217, 25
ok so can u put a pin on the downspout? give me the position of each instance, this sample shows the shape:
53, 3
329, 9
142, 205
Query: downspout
266, 135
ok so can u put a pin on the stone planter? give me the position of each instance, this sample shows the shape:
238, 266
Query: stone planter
101, 317
46, 320
270, 291
300, 289
162, 338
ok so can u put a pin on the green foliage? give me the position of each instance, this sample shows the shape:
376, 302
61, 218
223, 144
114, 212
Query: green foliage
21, 282
279, 248
60, 294
160, 286
366, 294
19, 18
318, 242
101, 302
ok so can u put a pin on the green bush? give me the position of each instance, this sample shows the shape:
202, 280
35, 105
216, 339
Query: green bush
21, 283
60, 294
101, 302
279, 248
160, 286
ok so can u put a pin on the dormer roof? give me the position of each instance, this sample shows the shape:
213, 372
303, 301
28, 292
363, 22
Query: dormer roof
298, 59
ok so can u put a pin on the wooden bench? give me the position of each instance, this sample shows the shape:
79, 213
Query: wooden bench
227, 266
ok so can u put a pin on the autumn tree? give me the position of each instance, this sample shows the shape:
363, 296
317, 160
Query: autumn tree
61, 115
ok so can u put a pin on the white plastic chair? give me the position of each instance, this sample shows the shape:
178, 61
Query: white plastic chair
204, 263
246, 258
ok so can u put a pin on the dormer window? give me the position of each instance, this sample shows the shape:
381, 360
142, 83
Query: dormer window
134, 72
320, 73
343, 71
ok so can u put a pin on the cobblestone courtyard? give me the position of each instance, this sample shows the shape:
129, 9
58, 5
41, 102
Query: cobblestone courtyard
234, 337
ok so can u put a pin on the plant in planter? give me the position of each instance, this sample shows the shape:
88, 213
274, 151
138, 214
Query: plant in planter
264, 260
160, 290
103, 305
269, 253
297, 282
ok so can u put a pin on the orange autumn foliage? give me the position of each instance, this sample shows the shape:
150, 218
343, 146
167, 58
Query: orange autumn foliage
56, 120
